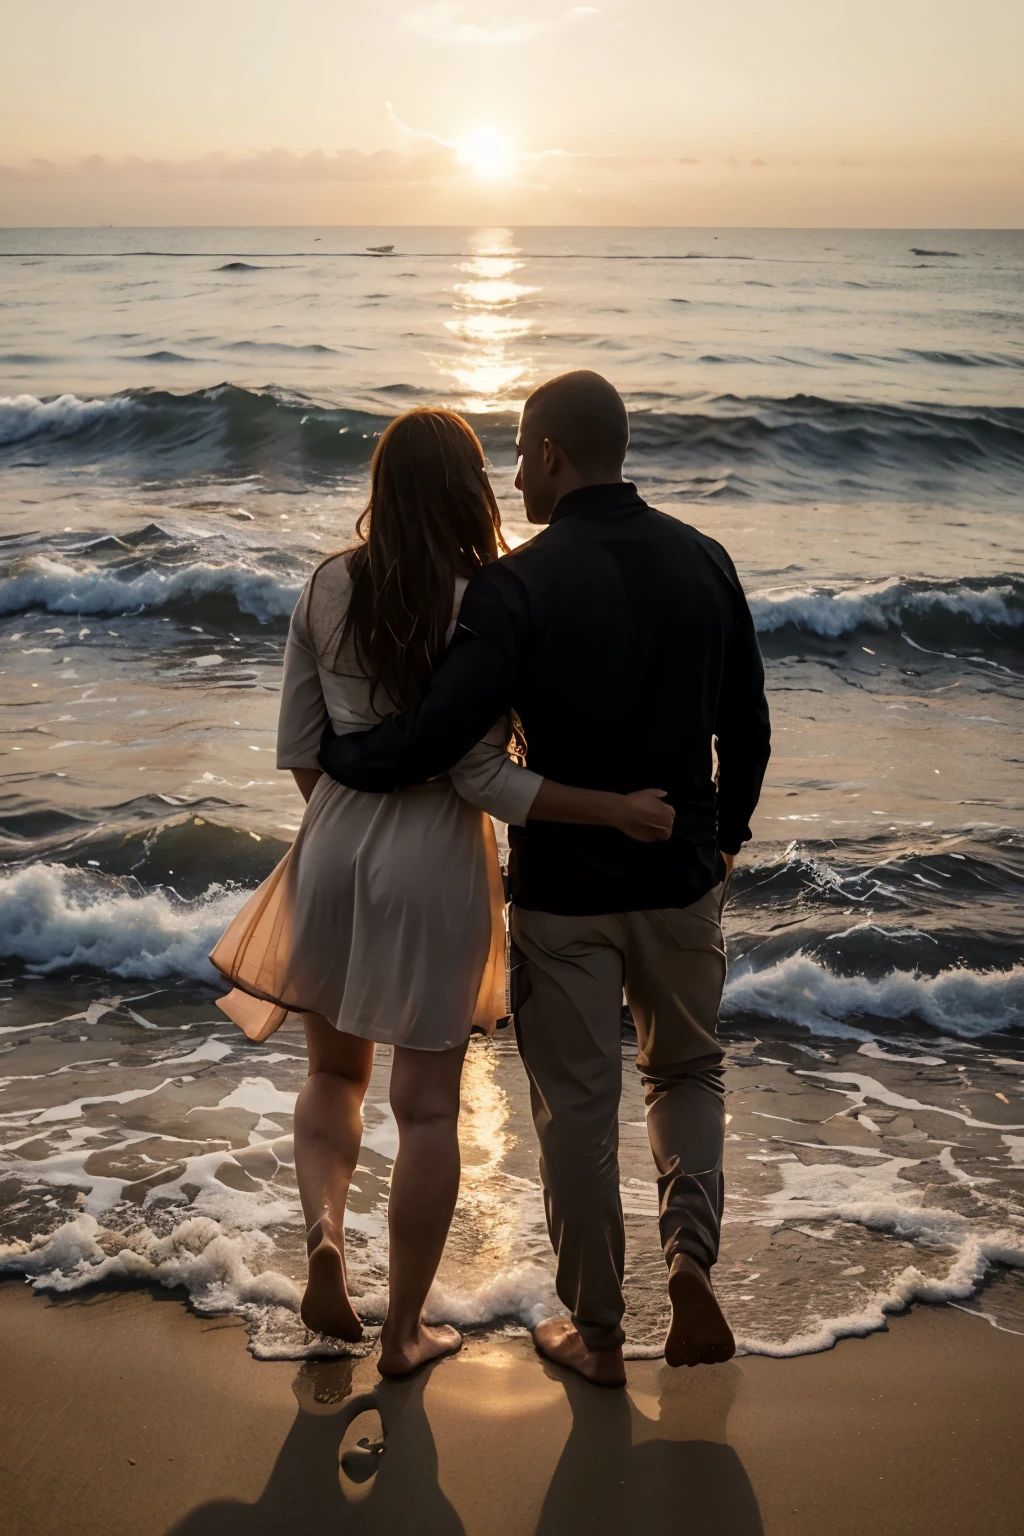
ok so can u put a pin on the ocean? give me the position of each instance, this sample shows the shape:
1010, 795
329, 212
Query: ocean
186, 427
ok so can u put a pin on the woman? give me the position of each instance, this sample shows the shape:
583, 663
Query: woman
385, 921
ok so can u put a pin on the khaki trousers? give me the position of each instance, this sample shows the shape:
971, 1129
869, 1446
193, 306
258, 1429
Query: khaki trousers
672, 965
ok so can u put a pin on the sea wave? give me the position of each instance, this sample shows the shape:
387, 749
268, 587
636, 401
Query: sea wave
23, 417
944, 612
59, 587
805, 447
798, 990
841, 610
54, 918
796, 448
878, 875
224, 428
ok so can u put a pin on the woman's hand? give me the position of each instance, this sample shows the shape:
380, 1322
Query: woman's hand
646, 816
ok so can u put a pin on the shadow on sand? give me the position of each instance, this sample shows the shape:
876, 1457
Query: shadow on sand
368, 1464
617, 1475
330, 1479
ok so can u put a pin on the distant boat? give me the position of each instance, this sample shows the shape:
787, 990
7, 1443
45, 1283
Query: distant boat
380, 250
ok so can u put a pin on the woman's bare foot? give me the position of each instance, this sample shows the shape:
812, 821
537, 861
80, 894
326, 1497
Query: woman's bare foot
698, 1333
400, 1357
559, 1341
325, 1305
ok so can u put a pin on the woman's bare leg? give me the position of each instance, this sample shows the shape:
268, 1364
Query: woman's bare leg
424, 1189
328, 1130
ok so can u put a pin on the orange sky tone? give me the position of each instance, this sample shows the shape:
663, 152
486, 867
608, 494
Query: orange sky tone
906, 113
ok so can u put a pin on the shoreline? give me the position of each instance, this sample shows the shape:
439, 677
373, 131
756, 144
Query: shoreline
126, 1413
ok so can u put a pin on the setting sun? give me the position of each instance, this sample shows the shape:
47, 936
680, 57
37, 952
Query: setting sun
487, 153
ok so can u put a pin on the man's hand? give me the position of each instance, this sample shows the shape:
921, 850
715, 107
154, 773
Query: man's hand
644, 815
729, 860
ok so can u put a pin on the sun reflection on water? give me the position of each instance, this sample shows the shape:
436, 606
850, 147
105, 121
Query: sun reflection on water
490, 370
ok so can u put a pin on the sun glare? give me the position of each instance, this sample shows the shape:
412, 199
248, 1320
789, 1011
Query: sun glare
487, 153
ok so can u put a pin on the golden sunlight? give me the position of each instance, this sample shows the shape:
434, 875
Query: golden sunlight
487, 153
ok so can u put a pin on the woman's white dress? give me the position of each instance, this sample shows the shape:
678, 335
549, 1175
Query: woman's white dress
387, 914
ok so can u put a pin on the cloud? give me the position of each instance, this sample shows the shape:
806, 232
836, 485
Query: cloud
435, 161
445, 22
423, 135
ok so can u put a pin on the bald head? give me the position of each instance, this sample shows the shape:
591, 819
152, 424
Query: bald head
584, 415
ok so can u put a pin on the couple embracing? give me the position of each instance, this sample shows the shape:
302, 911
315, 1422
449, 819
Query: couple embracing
600, 690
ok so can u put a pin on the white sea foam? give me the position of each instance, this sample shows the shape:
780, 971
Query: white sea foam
220, 1270
59, 587
53, 918
877, 1197
214, 1268
865, 1088
974, 1259
802, 991
834, 611
24, 416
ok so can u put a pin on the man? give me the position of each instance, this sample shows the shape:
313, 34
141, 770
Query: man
622, 639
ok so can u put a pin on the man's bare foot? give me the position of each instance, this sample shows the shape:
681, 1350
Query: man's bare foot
559, 1341
698, 1333
402, 1357
325, 1305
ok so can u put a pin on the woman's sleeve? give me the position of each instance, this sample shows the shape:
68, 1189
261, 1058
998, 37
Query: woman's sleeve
303, 711
488, 777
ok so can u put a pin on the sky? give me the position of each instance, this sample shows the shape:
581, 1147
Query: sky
824, 113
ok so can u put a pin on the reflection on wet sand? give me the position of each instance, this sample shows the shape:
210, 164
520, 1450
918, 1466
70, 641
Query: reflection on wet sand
486, 1141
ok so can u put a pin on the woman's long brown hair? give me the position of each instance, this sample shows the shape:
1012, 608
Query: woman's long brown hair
431, 517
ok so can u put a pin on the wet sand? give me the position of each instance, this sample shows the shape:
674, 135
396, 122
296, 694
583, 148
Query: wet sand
124, 1413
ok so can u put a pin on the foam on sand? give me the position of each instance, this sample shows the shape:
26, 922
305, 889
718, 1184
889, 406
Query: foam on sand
876, 1196
222, 1268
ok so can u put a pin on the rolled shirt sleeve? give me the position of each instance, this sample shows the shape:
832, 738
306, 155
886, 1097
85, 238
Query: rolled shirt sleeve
303, 713
489, 778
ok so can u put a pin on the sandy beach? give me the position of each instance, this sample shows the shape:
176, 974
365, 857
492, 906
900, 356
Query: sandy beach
123, 1412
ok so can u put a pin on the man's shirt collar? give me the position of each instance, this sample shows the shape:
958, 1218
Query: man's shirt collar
620, 497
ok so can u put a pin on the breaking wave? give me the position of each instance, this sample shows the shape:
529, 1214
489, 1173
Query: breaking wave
55, 918
59, 587
799, 990
835, 611
798, 448
168, 579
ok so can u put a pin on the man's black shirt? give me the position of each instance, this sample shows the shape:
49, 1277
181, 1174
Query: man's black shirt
622, 639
